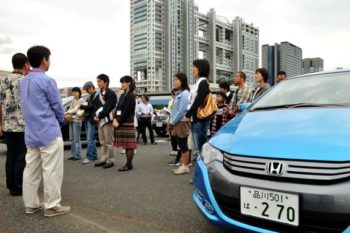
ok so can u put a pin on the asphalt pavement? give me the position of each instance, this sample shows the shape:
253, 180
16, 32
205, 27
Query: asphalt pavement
147, 199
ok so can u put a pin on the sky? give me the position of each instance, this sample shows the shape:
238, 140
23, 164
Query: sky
87, 38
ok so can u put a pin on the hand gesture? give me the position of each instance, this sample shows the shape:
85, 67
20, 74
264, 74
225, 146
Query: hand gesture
115, 123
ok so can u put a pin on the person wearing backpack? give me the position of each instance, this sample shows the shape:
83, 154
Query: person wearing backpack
90, 125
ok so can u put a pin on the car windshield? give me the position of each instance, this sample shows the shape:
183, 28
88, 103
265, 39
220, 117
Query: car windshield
320, 90
67, 100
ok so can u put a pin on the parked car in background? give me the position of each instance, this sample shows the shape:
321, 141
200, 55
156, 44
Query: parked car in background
160, 120
283, 164
65, 128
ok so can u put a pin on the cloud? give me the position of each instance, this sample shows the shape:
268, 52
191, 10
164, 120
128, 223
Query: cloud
5, 40
6, 50
87, 38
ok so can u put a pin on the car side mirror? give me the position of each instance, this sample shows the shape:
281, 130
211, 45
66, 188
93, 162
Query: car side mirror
244, 106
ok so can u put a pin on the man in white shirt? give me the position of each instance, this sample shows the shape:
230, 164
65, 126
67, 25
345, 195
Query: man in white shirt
145, 113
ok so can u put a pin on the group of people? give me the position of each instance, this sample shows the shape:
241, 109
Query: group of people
31, 119
228, 106
97, 108
31, 116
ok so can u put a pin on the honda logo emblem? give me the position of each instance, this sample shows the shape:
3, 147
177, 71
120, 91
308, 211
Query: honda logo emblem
275, 168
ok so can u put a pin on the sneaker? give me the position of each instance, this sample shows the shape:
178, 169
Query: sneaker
122, 152
182, 170
76, 159
30, 210
135, 151
174, 163
71, 158
173, 153
86, 161
56, 211
154, 143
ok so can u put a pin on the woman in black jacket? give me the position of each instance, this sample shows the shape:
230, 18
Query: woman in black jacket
123, 122
198, 94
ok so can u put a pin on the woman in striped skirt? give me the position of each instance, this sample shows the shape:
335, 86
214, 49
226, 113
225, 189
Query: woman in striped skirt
123, 122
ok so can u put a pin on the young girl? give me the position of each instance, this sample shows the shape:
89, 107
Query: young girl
221, 116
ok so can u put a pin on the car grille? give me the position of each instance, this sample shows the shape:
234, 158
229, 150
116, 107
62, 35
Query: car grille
310, 222
293, 171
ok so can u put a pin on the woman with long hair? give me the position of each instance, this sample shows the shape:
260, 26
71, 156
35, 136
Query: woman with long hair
199, 92
123, 122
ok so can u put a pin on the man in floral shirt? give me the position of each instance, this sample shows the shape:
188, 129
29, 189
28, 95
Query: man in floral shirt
12, 123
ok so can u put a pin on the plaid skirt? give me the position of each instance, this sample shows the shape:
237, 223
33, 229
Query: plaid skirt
125, 136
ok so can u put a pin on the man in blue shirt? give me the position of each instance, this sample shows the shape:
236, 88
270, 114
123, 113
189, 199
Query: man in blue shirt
43, 114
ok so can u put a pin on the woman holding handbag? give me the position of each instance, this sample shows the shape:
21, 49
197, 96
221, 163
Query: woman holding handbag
179, 128
75, 124
123, 122
198, 95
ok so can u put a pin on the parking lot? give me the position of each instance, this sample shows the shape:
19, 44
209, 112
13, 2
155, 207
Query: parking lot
148, 199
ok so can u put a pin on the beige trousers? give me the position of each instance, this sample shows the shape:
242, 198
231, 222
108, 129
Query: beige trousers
48, 163
106, 135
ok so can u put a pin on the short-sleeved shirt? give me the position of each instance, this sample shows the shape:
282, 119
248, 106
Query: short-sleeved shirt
12, 116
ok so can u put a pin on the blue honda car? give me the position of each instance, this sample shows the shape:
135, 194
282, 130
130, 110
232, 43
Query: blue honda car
283, 164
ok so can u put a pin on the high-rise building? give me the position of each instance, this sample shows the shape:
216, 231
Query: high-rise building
312, 65
229, 46
282, 57
167, 35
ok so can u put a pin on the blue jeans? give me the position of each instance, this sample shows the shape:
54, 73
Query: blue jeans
91, 153
74, 137
200, 134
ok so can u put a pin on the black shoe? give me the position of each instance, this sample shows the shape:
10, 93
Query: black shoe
76, 159
145, 143
108, 165
71, 158
126, 168
174, 163
154, 143
15, 193
100, 164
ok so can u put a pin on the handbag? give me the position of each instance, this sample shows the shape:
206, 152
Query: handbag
81, 112
208, 109
68, 118
181, 130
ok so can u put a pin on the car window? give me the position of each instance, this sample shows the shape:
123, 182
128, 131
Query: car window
320, 89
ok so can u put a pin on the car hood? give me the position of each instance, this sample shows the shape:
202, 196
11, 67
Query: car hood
321, 134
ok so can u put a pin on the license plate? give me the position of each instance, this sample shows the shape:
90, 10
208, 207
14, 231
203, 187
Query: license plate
159, 124
275, 206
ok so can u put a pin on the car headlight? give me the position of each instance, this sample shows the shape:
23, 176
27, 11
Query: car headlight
210, 154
